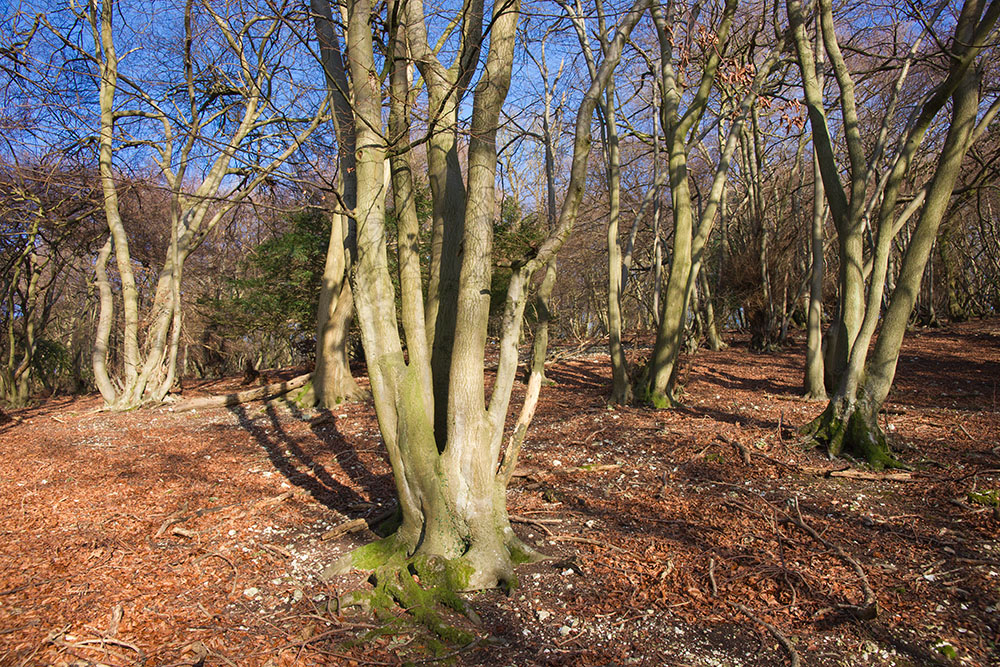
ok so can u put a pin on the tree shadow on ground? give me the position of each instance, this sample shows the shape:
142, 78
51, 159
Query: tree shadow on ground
737, 419
577, 379
751, 556
302, 470
729, 381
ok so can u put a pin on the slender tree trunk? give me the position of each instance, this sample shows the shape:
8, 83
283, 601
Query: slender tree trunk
621, 386
814, 385
99, 354
715, 341
332, 382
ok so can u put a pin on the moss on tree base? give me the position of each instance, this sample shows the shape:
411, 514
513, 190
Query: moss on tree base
424, 585
852, 431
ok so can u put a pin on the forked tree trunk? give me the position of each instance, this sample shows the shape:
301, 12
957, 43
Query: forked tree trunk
332, 382
454, 530
656, 385
849, 424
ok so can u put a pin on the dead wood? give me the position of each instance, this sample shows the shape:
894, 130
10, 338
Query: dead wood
740, 447
115, 619
180, 517
850, 473
594, 467
585, 540
246, 396
353, 526
793, 656
523, 519
357, 525
216, 554
870, 609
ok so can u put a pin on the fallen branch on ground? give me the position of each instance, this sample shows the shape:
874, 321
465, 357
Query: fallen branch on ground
793, 655
357, 525
870, 609
740, 447
239, 397
180, 517
850, 473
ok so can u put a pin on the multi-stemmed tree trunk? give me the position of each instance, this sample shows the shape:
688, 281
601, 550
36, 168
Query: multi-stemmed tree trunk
454, 527
849, 422
621, 385
657, 383
225, 115
332, 381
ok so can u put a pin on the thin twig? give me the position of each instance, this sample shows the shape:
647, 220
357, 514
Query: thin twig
870, 610
236, 573
793, 655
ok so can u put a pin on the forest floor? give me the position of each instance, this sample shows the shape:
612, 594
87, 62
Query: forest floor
162, 538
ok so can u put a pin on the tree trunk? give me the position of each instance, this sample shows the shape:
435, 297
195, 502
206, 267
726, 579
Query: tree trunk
454, 531
814, 385
621, 386
332, 380
849, 422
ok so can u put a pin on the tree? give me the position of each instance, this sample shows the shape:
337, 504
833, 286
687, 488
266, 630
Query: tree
217, 126
863, 381
332, 380
49, 212
453, 527
680, 118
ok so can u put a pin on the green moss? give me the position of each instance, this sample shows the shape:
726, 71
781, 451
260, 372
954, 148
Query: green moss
946, 649
990, 497
658, 400
304, 396
856, 435
378, 553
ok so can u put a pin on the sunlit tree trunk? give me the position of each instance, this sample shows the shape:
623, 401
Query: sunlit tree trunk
848, 423
657, 383
332, 381
454, 527
815, 387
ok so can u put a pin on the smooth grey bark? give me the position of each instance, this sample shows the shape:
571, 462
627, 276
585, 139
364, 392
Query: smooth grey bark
452, 498
150, 369
815, 387
690, 236
621, 386
446, 90
848, 423
332, 380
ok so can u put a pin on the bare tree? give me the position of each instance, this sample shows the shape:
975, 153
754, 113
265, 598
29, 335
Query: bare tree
863, 381
454, 528
681, 114
217, 126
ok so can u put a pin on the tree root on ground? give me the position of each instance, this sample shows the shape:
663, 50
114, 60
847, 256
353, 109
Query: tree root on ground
426, 587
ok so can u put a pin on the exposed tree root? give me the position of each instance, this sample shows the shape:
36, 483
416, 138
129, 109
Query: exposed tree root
423, 585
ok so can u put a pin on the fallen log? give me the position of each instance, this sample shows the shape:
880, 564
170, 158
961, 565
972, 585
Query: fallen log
850, 473
239, 397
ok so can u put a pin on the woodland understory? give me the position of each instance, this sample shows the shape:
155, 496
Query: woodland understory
703, 535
